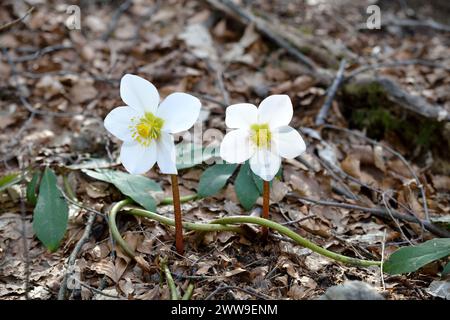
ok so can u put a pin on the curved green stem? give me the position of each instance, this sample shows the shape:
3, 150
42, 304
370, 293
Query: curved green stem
297, 238
205, 227
225, 224
169, 200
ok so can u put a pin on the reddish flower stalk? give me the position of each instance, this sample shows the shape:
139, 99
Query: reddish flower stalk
177, 210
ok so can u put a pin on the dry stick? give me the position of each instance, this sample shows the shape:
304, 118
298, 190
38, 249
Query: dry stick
177, 211
429, 23
382, 213
398, 155
321, 116
11, 23
73, 256
265, 212
389, 211
41, 52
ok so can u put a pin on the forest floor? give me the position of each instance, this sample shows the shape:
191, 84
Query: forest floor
58, 84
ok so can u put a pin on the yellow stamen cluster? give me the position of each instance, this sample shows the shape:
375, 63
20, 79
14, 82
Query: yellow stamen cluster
260, 135
146, 129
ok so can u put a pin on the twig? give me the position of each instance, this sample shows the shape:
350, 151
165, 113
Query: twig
380, 212
98, 291
73, 256
246, 290
388, 209
429, 23
115, 19
11, 23
398, 155
395, 64
321, 116
41, 52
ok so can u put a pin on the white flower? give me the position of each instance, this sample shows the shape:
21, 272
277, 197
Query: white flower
262, 135
145, 128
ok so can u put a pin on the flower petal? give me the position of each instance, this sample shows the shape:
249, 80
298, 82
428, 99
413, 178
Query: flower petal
276, 110
241, 115
166, 157
288, 143
236, 146
118, 122
265, 164
179, 112
136, 158
139, 93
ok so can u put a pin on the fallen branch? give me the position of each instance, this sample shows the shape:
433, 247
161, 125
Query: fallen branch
321, 116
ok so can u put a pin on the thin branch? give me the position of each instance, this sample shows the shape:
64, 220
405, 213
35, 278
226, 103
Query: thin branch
41, 52
73, 256
380, 212
11, 23
321, 116
394, 65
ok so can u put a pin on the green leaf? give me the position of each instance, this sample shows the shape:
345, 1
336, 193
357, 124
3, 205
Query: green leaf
32, 188
189, 155
51, 212
409, 259
9, 180
136, 187
245, 186
446, 269
215, 178
259, 181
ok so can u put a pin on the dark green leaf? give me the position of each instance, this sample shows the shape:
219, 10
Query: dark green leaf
245, 186
138, 188
51, 212
9, 180
446, 269
32, 188
409, 259
215, 178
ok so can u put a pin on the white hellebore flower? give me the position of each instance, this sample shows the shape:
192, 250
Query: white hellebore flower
262, 135
145, 128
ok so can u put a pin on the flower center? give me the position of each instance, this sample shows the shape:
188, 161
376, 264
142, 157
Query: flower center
260, 135
146, 129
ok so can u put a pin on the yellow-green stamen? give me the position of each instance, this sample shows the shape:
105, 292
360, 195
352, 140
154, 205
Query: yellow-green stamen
260, 135
146, 129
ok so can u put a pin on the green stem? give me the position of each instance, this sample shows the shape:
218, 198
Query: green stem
174, 294
205, 227
224, 224
169, 200
297, 238
188, 293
